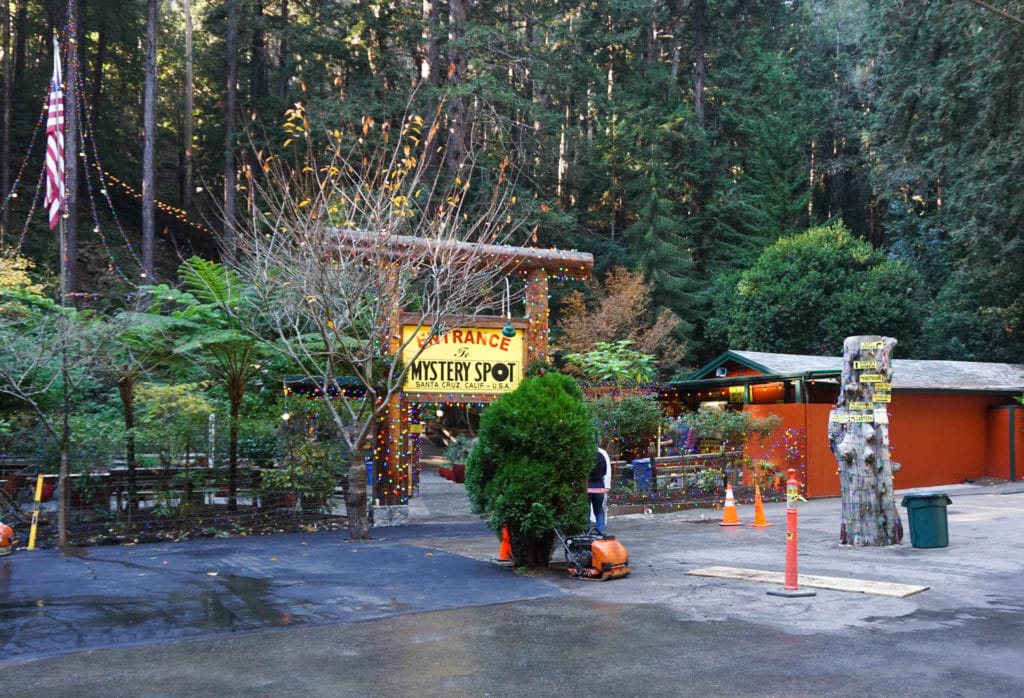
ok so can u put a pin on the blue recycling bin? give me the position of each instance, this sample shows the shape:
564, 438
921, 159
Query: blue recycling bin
643, 474
369, 478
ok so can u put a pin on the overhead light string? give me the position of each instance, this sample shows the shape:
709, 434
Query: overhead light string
13, 193
32, 209
88, 139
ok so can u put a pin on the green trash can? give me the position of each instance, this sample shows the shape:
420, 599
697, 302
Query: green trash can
927, 516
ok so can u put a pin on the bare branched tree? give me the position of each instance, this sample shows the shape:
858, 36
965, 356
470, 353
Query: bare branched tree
347, 234
47, 355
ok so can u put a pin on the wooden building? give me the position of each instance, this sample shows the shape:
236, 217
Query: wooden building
950, 421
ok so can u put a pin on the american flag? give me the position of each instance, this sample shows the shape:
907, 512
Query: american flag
55, 144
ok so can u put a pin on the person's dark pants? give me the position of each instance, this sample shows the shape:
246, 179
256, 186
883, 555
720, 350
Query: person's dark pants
597, 503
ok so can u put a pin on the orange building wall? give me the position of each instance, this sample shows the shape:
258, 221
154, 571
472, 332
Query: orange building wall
1005, 423
822, 469
938, 439
772, 449
1018, 430
737, 369
810, 423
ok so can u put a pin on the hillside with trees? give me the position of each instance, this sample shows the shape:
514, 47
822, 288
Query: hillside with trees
682, 140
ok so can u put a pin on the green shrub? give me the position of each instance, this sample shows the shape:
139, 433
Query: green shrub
257, 443
310, 470
628, 426
734, 429
710, 479
458, 450
529, 468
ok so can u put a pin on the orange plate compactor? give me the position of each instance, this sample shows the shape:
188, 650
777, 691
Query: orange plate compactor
594, 556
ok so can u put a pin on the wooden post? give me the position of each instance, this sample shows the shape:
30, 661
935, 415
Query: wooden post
392, 483
389, 490
858, 431
537, 313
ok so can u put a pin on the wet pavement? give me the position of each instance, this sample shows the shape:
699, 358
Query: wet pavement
422, 610
52, 601
98, 597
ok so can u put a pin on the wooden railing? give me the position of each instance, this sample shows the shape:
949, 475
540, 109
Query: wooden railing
673, 472
12, 464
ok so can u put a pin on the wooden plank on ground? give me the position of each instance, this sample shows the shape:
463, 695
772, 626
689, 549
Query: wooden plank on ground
863, 586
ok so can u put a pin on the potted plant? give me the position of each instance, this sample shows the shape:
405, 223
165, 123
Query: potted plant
764, 475
457, 454
90, 488
306, 478
279, 485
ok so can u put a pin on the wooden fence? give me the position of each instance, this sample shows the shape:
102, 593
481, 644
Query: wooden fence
681, 471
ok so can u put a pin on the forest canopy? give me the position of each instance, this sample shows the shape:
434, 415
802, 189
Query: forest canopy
697, 143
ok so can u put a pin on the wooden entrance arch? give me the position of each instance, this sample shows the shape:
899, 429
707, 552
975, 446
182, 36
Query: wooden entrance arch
393, 482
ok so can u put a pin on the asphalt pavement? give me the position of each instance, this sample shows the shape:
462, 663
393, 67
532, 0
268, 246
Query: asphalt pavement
424, 610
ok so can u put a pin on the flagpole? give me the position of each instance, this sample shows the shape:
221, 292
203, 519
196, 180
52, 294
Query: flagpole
56, 210
56, 156
65, 431
63, 265
71, 148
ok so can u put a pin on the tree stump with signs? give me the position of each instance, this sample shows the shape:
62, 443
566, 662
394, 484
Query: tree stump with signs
858, 434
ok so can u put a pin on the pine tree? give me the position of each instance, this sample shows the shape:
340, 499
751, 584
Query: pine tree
949, 131
663, 254
763, 120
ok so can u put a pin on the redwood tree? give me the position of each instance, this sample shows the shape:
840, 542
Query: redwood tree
149, 141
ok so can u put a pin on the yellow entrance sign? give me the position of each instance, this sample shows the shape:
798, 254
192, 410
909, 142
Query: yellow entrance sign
462, 360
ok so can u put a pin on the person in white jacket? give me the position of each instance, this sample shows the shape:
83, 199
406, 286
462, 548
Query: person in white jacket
598, 484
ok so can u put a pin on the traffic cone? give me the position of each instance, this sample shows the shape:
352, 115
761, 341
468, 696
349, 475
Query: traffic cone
505, 551
6, 539
729, 515
759, 519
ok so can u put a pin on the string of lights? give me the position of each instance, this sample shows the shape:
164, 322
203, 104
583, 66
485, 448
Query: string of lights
87, 147
36, 198
13, 193
392, 458
87, 137
178, 214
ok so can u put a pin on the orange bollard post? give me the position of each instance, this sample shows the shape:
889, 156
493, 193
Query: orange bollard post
792, 577
791, 586
729, 515
35, 512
